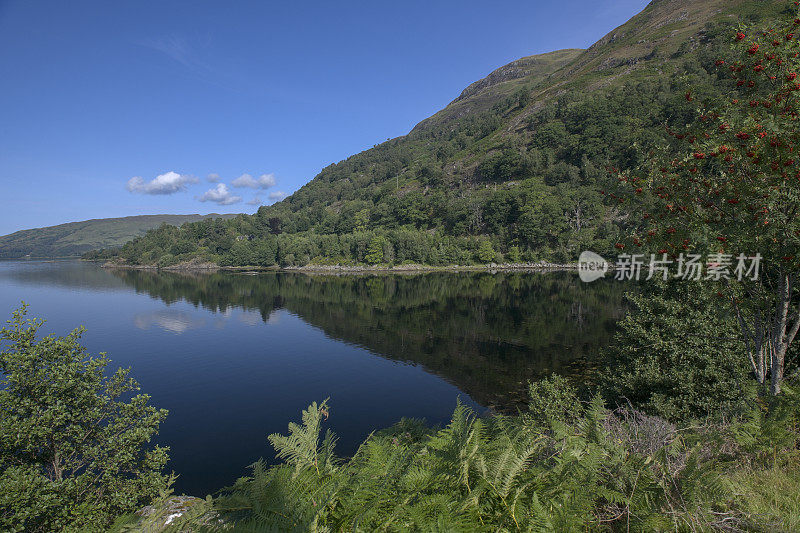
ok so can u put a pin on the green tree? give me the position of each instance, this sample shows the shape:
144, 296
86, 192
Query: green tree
486, 253
730, 185
361, 220
73, 451
374, 253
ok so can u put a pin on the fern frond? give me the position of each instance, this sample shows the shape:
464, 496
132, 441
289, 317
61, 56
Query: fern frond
301, 448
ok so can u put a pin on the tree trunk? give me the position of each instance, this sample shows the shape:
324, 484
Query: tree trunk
769, 331
785, 329
754, 341
761, 373
776, 372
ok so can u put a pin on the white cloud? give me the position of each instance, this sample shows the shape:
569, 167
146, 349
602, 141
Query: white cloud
277, 195
168, 183
220, 195
265, 181
213, 177
255, 201
245, 180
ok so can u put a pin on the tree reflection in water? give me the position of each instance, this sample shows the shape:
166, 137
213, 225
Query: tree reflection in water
487, 333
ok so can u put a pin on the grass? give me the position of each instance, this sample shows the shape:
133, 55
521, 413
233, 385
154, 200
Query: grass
769, 497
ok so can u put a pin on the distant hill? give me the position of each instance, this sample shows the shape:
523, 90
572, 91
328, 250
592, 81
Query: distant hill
75, 238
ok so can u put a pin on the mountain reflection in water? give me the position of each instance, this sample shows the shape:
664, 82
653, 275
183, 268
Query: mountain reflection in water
487, 333
235, 357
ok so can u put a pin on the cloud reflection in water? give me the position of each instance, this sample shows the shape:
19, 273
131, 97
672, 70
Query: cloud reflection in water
169, 320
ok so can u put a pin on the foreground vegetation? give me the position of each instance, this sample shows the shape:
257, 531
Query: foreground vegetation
562, 466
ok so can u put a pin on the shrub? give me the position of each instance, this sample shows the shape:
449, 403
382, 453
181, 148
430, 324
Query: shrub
677, 355
73, 451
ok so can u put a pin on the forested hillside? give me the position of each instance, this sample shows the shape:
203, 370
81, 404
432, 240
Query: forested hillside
514, 169
75, 238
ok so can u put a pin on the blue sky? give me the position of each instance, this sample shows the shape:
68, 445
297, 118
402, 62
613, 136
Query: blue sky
124, 108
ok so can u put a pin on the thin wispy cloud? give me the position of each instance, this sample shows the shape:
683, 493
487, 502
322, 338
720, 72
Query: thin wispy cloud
213, 177
220, 195
175, 47
265, 181
192, 55
255, 201
167, 183
178, 49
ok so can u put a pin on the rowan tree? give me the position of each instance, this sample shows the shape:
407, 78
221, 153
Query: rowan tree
728, 186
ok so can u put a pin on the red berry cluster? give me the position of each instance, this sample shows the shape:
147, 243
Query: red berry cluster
739, 175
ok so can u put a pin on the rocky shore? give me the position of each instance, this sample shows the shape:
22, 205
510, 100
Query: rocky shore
199, 266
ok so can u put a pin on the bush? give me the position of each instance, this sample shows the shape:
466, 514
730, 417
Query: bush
676, 355
166, 260
552, 399
73, 451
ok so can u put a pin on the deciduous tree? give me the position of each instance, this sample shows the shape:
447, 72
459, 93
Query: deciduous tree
74, 448
729, 184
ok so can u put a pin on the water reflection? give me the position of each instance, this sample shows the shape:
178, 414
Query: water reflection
486, 333
60, 273
169, 320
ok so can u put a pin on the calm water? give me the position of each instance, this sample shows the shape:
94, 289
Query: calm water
235, 357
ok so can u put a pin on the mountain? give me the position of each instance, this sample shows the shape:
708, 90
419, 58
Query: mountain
513, 169
665, 31
501, 83
75, 238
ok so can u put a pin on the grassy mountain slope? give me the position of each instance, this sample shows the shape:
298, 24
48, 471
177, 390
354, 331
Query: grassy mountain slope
501, 83
513, 169
75, 238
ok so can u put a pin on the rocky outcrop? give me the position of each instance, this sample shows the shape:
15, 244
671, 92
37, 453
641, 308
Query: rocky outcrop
183, 513
536, 65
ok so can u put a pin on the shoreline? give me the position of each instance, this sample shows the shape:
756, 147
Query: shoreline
353, 269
